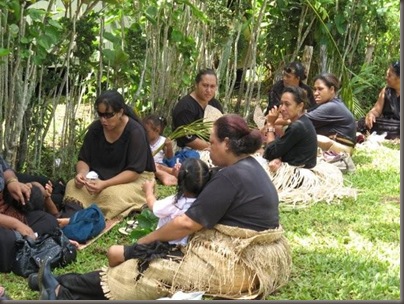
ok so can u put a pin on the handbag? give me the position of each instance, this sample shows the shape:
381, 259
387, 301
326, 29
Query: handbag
31, 253
85, 224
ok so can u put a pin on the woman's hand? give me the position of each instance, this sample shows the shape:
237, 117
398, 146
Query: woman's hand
148, 187
95, 186
273, 115
20, 191
370, 119
48, 189
80, 180
274, 164
25, 230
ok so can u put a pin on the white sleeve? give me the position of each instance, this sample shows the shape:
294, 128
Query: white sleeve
164, 207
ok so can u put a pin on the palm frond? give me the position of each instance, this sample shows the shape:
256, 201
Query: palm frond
198, 128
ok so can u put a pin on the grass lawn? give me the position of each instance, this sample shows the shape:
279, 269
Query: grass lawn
347, 250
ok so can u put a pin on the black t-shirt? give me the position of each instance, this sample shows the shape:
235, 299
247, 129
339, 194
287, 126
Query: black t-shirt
333, 118
391, 107
131, 151
297, 147
188, 110
240, 195
274, 96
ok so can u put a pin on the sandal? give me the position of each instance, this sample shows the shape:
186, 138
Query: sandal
130, 226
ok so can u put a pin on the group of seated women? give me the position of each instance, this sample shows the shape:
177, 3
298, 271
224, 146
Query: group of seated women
116, 146
329, 125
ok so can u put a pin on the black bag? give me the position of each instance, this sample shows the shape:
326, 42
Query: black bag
30, 253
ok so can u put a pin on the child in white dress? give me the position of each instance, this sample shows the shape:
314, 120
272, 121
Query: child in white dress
193, 175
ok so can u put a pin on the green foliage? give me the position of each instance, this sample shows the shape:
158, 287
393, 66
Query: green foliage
147, 222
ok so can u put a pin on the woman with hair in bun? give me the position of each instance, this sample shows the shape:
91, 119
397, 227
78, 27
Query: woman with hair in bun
236, 249
385, 114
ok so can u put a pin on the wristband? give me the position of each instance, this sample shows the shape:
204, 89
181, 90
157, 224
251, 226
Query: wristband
11, 180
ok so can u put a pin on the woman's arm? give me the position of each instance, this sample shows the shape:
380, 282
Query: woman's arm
376, 111
82, 169
269, 129
177, 228
198, 144
148, 189
14, 224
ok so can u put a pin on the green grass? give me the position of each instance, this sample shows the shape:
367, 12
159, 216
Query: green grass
349, 250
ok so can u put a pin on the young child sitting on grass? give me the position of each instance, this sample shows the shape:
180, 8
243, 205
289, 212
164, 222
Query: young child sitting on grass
193, 175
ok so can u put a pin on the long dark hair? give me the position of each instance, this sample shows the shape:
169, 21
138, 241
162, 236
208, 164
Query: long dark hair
114, 100
242, 140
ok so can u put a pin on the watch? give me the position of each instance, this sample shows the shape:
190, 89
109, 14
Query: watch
270, 129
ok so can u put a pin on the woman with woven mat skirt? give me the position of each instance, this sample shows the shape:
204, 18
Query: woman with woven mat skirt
291, 159
298, 145
116, 148
237, 249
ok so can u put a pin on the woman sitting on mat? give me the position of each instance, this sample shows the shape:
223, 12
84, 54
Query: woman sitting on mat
298, 145
116, 148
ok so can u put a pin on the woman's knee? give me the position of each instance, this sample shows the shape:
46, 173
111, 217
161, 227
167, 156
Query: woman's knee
324, 142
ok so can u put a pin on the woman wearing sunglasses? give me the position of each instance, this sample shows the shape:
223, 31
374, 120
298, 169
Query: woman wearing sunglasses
385, 114
116, 148
293, 75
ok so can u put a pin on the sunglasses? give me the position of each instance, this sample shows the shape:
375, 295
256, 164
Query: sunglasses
106, 115
396, 67
290, 70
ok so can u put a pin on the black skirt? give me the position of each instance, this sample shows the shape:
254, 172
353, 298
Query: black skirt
7, 249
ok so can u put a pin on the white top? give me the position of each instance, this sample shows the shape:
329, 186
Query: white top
166, 210
158, 158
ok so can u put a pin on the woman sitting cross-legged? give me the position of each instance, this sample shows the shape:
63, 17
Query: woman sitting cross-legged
236, 248
117, 149
292, 161
298, 145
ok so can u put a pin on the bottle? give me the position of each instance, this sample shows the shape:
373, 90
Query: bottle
91, 176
